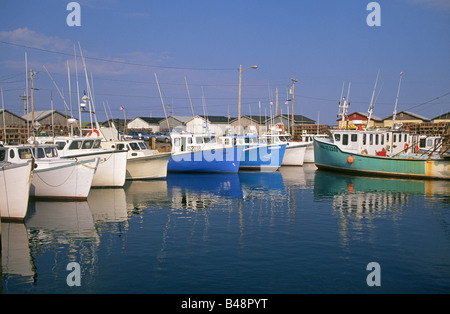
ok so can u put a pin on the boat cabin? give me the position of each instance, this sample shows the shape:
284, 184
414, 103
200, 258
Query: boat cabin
189, 142
430, 143
374, 142
23, 153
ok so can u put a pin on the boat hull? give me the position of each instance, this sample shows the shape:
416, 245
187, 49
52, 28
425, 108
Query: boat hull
111, 169
218, 160
294, 154
15, 182
309, 153
329, 156
63, 179
148, 167
263, 157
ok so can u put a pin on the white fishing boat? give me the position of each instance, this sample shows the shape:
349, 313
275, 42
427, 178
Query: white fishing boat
309, 139
55, 177
15, 182
142, 162
111, 170
295, 151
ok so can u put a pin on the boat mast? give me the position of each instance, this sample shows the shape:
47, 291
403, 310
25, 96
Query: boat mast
396, 101
371, 101
343, 105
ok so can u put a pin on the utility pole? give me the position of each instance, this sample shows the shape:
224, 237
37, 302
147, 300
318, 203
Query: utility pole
24, 98
292, 110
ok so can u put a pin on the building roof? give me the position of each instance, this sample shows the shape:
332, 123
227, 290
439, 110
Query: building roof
298, 118
150, 120
363, 114
406, 115
442, 116
12, 113
39, 115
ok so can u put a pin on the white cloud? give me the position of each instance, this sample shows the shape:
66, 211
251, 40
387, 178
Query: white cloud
28, 37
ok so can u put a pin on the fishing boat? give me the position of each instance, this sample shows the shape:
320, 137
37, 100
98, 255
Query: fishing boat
295, 151
330, 154
112, 166
309, 139
258, 155
203, 153
15, 182
142, 162
389, 152
55, 177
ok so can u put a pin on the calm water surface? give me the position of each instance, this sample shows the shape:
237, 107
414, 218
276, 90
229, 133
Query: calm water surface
298, 230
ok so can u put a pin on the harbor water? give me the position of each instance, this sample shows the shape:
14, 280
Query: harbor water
294, 231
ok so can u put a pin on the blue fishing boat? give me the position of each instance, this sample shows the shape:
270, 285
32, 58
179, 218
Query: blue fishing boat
202, 153
260, 155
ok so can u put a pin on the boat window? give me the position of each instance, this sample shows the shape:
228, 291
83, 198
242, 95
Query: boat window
24, 153
75, 145
11, 154
60, 145
382, 139
176, 141
354, 137
376, 139
394, 139
227, 141
2, 155
345, 139
134, 146
142, 145
430, 142
50, 152
337, 137
119, 146
97, 143
88, 144
371, 139
198, 140
364, 139
40, 153
422, 142
387, 137
406, 137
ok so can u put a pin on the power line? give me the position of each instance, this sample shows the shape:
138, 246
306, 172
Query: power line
118, 62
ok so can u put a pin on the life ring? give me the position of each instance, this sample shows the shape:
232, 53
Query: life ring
406, 147
94, 130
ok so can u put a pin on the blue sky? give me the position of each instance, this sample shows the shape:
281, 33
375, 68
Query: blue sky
323, 44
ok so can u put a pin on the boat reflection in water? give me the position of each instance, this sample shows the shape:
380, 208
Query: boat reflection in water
268, 232
360, 200
197, 191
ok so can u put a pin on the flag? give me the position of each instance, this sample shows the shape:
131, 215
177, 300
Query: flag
122, 108
401, 73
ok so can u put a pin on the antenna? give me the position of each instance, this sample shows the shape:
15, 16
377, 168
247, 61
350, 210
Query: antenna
396, 100
162, 102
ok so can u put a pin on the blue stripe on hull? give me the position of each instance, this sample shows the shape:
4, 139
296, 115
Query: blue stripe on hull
216, 160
